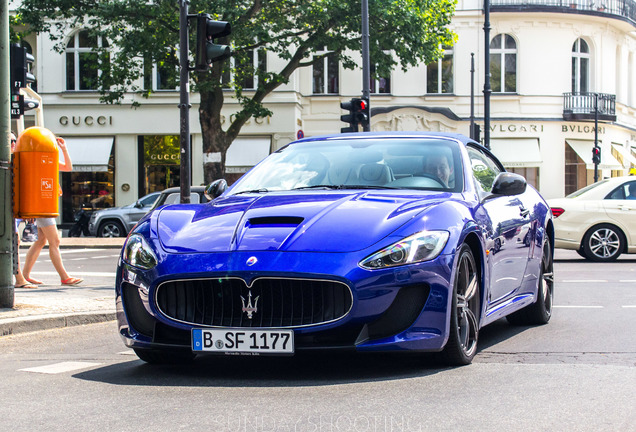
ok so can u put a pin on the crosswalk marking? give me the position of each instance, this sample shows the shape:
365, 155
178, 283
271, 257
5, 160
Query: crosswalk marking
62, 367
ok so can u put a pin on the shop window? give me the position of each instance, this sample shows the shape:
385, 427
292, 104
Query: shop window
92, 190
575, 171
160, 162
531, 175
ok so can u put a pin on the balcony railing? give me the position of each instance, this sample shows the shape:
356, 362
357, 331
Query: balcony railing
625, 9
583, 106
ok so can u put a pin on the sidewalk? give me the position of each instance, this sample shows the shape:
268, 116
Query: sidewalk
53, 306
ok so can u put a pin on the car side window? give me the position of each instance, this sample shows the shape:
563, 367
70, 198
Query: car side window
149, 200
625, 191
484, 168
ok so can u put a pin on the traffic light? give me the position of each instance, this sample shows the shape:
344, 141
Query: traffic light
20, 68
596, 155
207, 31
358, 114
349, 118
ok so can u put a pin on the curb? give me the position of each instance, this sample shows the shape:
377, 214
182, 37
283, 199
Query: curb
12, 326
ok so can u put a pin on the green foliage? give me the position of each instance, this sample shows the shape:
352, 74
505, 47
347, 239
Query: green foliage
294, 30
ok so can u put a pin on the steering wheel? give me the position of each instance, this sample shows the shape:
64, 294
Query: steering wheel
432, 177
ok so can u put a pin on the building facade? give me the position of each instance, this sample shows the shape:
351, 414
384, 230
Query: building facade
554, 66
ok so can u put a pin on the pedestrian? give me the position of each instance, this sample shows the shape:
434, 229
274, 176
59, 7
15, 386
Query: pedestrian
20, 280
47, 232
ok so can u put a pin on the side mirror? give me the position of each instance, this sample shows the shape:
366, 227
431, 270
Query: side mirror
509, 184
138, 204
216, 188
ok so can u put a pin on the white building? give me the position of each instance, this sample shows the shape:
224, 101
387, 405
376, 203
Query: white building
557, 56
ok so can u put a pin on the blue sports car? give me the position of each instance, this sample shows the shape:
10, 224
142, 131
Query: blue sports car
369, 242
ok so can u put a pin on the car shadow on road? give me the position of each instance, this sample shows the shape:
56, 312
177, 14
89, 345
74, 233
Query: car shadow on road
303, 369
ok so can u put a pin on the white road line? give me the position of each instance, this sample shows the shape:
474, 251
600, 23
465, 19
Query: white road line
629, 306
577, 307
57, 368
78, 259
628, 281
72, 251
584, 281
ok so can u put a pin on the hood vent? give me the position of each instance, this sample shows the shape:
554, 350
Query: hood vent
276, 221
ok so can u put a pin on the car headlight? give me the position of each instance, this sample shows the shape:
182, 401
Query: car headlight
137, 253
423, 246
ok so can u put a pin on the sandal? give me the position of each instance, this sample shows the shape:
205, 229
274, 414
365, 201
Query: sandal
26, 285
34, 281
72, 281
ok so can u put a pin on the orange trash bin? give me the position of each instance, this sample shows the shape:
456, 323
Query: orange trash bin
36, 174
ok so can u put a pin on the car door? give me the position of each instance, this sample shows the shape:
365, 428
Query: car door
619, 207
510, 230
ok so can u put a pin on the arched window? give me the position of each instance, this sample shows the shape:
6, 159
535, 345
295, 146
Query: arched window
439, 74
503, 64
580, 67
84, 64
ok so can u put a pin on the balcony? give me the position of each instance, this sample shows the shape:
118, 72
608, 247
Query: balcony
582, 106
622, 9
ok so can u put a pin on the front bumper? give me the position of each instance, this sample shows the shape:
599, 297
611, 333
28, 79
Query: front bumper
401, 308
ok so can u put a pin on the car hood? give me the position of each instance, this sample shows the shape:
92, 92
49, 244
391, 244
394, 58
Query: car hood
310, 222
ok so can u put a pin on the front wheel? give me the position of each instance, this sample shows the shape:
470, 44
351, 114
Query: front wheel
465, 306
603, 243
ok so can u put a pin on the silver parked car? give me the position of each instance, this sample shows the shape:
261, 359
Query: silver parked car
118, 221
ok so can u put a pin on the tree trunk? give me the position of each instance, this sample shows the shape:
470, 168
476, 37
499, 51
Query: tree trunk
215, 140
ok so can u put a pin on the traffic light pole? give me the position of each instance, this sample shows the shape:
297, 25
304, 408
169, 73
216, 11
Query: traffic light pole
7, 295
487, 88
366, 69
184, 103
596, 135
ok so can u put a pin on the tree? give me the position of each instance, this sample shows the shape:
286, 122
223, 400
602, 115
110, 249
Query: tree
143, 33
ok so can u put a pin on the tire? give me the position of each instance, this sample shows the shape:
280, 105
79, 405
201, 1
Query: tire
111, 229
164, 357
602, 243
465, 307
539, 312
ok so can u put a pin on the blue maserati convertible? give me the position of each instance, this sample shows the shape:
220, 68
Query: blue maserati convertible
368, 242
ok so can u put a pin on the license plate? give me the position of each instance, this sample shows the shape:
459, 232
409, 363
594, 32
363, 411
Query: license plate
243, 341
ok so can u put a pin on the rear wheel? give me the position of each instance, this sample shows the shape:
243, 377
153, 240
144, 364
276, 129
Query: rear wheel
153, 356
111, 229
464, 320
540, 311
603, 243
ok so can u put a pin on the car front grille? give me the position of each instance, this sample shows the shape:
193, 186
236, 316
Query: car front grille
268, 302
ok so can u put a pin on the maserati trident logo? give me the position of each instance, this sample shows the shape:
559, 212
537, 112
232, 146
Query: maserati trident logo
248, 308
251, 261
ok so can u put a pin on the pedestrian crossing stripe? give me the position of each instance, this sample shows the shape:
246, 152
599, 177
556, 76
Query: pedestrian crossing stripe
62, 367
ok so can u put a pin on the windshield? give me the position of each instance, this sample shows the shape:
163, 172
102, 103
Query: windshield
586, 189
384, 163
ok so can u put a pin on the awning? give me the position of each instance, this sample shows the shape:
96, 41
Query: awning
583, 148
89, 154
513, 153
245, 152
625, 152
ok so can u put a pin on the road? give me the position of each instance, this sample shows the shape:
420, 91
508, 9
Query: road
576, 373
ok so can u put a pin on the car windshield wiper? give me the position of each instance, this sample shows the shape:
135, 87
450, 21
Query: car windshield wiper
344, 186
261, 190
323, 186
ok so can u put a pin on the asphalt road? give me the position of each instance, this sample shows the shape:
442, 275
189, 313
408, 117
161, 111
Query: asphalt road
576, 373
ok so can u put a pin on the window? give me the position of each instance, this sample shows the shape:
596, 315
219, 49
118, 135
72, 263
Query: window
325, 74
580, 67
84, 64
503, 64
485, 169
163, 74
379, 84
247, 74
439, 74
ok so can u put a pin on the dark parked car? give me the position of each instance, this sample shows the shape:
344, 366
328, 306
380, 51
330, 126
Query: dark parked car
370, 242
118, 221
